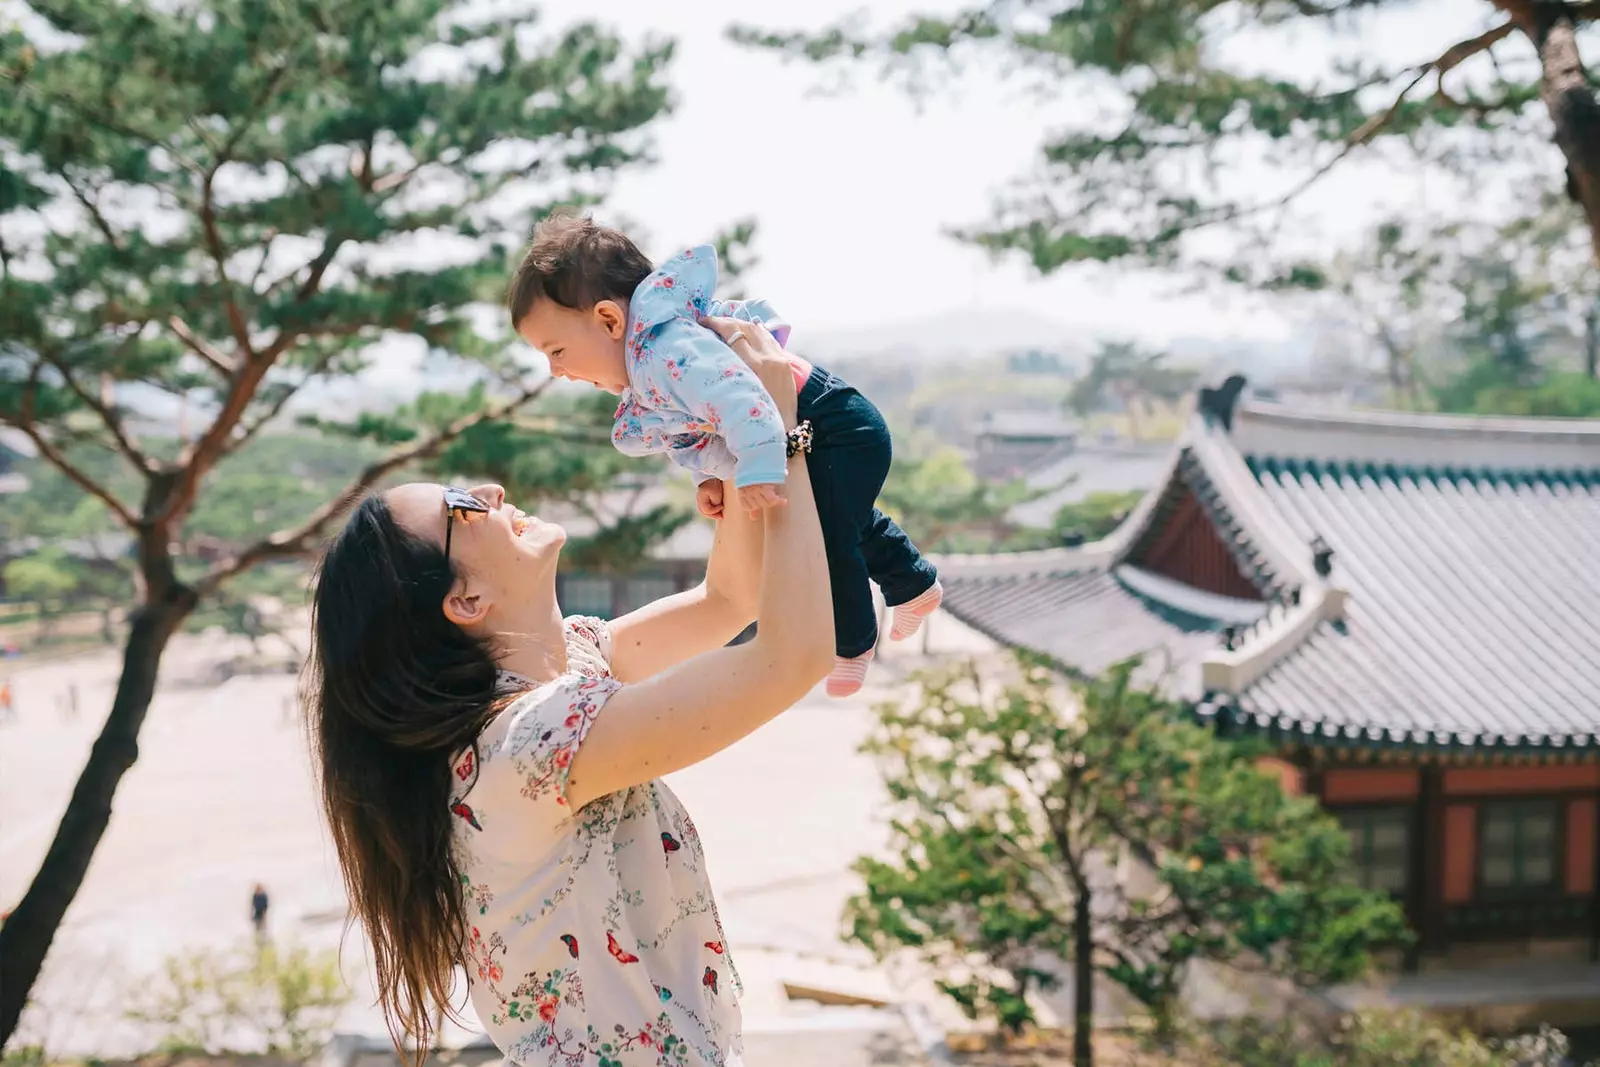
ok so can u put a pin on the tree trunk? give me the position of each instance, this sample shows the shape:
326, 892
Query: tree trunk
1591, 340
1564, 88
1082, 980
25, 939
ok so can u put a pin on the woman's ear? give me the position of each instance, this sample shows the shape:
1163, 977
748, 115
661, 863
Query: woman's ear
613, 318
464, 607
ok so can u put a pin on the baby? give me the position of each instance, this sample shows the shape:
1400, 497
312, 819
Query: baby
586, 297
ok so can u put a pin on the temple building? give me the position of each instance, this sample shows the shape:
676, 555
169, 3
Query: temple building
1407, 606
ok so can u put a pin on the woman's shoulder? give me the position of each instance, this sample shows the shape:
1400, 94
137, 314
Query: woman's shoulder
517, 771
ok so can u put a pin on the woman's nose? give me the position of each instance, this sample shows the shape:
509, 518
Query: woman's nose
491, 494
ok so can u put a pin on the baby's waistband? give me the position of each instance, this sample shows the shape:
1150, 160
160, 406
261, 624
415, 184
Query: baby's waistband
802, 371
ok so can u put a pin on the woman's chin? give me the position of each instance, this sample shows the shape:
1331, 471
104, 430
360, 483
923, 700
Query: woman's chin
541, 537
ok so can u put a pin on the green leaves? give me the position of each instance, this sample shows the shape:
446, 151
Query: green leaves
219, 205
1185, 134
1012, 799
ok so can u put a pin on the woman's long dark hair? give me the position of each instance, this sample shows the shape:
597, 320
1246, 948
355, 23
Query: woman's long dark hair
392, 689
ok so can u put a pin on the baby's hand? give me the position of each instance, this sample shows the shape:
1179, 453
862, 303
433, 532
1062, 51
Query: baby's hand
708, 497
755, 498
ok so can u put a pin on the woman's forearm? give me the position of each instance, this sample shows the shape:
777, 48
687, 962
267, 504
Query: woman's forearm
733, 570
794, 612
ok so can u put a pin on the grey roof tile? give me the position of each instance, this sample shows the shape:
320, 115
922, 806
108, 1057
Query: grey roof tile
1473, 615
1473, 605
1085, 621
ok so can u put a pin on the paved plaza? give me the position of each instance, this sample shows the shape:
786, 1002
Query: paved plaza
222, 797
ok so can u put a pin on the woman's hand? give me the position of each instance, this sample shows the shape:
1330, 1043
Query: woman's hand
762, 353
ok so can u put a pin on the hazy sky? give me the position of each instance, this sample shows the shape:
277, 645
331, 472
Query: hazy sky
852, 191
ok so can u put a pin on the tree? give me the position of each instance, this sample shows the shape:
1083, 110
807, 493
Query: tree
1016, 818
947, 508
1479, 317
1189, 112
1390, 287
1093, 517
44, 578
225, 205
1131, 374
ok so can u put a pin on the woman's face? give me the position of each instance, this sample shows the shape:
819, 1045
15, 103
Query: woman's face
505, 556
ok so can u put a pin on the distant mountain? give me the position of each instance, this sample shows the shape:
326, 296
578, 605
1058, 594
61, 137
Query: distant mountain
989, 332
949, 334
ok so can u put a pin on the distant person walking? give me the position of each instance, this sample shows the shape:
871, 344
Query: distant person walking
258, 911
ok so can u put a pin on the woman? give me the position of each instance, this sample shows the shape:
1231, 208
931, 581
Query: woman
491, 771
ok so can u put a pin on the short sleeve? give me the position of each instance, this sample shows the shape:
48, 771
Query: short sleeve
518, 795
510, 789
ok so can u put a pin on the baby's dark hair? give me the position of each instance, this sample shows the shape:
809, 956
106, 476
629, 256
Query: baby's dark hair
576, 262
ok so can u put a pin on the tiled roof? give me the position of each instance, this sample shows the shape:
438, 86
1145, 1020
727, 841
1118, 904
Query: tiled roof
1086, 622
1473, 604
1461, 609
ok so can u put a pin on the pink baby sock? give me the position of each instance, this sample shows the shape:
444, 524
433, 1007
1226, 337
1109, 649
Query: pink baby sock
908, 616
848, 674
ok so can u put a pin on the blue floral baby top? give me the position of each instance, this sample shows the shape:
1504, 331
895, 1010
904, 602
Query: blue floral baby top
594, 940
689, 395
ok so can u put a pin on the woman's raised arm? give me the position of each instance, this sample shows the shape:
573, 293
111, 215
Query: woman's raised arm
684, 714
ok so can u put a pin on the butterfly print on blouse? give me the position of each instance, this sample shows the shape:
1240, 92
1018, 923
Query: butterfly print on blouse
617, 951
460, 808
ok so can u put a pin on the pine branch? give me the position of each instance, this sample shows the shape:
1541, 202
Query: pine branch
198, 458
299, 541
219, 256
54, 456
113, 422
1448, 60
95, 215
200, 347
248, 431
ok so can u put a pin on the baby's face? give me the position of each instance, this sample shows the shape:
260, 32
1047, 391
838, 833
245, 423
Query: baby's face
582, 346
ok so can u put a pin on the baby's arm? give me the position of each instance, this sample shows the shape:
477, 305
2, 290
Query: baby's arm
708, 380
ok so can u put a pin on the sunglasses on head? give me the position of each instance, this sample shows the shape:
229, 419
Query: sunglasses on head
458, 500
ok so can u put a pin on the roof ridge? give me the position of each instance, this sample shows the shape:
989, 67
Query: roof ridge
1310, 597
1421, 422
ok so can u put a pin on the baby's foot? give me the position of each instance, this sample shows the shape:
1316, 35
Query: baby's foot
848, 674
908, 616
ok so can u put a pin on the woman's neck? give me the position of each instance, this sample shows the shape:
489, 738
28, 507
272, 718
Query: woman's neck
533, 644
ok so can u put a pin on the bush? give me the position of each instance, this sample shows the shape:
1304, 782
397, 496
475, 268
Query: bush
282, 1002
1367, 1039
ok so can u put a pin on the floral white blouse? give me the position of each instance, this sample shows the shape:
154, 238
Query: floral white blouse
594, 940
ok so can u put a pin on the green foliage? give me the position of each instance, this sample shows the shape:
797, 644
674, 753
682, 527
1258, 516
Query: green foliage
230, 203
1013, 800
259, 999
1133, 376
1093, 517
1368, 1039
947, 508
1483, 319
25, 1056
1567, 395
45, 577
57, 582
1186, 108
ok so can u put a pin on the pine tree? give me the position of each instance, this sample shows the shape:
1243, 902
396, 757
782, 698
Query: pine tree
1173, 107
226, 204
